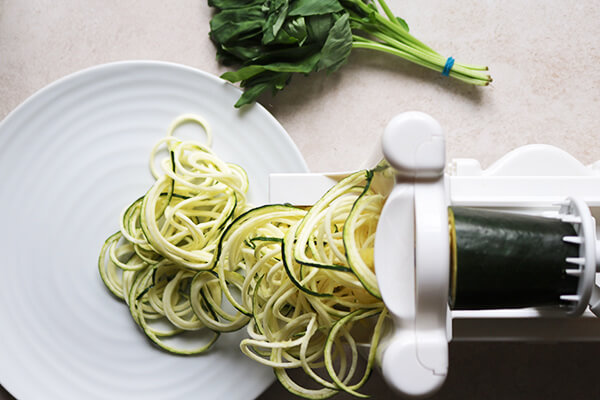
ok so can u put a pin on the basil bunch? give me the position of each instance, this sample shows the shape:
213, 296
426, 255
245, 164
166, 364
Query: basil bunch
273, 39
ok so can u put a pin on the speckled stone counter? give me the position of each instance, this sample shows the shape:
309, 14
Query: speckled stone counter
543, 56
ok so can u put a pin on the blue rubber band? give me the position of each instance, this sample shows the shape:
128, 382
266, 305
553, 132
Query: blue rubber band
448, 66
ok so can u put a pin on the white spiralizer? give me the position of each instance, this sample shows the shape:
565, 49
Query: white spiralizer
431, 297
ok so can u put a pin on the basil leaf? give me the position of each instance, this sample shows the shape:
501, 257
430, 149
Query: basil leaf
315, 7
230, 25
252, 92
243, 73
304, 66
276, 15
225, 4
318, 27
287, 54
243, 53
296, 28
258, 85
338, 45
402, 23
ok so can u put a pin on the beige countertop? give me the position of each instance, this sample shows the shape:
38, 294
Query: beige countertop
543, 56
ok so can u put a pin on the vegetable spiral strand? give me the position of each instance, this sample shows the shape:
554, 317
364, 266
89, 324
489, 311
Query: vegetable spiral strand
192, 256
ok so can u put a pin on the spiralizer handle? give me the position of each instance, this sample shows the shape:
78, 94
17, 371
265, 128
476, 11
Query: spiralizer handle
412, 257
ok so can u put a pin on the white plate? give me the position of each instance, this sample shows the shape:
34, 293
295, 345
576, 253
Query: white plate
71, 157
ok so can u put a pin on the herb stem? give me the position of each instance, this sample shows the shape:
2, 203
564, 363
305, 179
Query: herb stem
429, 57
395, 27
479, 79
387, 11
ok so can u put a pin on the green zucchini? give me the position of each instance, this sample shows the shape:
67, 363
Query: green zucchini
508, 260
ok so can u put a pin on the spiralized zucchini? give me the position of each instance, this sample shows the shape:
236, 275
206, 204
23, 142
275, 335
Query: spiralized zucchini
165, 249
192, 255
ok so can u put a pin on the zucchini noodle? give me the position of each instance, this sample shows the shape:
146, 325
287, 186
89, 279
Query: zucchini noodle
192, 256
166, 247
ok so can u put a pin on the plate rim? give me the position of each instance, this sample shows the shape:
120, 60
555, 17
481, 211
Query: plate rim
149, 63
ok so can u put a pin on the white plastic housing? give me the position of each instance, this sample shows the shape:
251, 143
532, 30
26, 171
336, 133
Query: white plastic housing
412, 257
